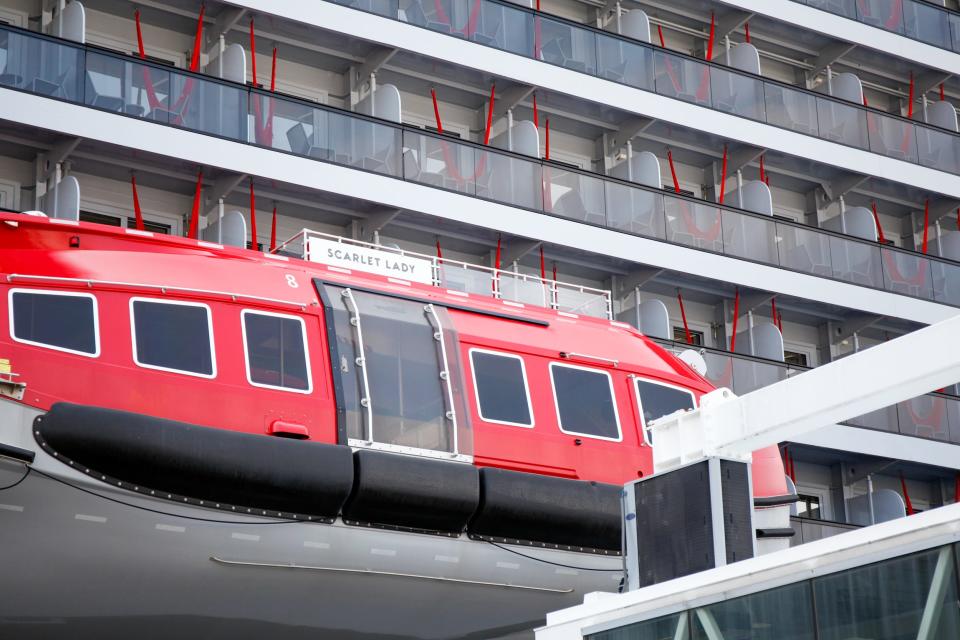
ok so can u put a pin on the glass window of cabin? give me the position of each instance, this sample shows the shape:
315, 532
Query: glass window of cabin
276, 351
585, 401
390, 353
658, 400
500, 383
674, 627
903, 598
56, 320
173, 336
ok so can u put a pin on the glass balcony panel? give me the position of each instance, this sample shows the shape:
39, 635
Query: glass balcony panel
785, 613
364, 144
925, 416
845, 8
907, 273
573, 195
737, 94
208, 106
890, 599
953, 417
452, 17
938, 149
439, 162
926, 23
892, 137
750, 375
946, 282
634, 210
460, 277
526, 289
509, 180
681, 78
720, 370
291, 126
41, 66
693, 224
380, 7
856, 262
504, 27
587, 303
885, 14
673, 626
626, 62
791, 109
804, 250
749, 237
843, 123
882, 419
122, 86
565, 45
955, 31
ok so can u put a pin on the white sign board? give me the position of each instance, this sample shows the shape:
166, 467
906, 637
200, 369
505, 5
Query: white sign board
384, 263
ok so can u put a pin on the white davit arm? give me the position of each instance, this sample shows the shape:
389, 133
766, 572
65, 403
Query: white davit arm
734, 427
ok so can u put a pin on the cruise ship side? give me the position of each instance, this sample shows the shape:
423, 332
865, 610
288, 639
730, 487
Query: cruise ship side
349, 316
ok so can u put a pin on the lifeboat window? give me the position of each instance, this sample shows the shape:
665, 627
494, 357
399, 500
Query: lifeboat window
57, 320
276, 351
500, 383
172, 336
585, 401
657, 400
398, 372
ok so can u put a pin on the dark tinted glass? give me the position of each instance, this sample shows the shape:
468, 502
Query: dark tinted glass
65, 322
275, 351
778, 614
902, 599
501, 388
585, 402
658, 401
173, 336
672, 627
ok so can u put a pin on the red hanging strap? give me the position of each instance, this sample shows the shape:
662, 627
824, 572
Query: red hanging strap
197, 41
486, 136
683, 316
273, 71
763, 174
780, 322
436, 111
439, 251
746, 31
253, 218
536, 117
956, 487
942, 96
547, 141
143, 53
554, 271
660, 33
673, 171
773, 310
906, 496
543, 268
496, 260
910, 99
273, 232
253, 53
876, 220
713, 24
926, 223
136, 202
195, 212
736, 316
723, 175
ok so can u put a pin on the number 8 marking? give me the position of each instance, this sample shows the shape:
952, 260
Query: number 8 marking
292, 281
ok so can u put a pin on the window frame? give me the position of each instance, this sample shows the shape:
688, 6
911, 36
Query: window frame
181, 303
54, 292
526, 387
636, 390
246, 350
613, 397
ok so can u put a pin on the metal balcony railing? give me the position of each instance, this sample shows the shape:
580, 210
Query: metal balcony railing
585, 49
120, 84
478, 279
915, 19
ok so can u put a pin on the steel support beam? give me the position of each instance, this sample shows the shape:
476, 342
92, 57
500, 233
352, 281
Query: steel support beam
375, 222
637, 278
517, 249
835, 189
830, 55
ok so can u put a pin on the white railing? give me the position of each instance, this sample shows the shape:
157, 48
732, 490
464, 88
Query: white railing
480, 280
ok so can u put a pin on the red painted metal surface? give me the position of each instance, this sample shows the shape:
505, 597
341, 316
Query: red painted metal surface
115, 265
